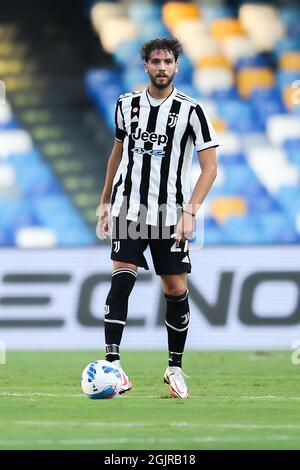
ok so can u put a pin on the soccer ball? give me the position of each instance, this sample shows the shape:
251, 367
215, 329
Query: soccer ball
100, 379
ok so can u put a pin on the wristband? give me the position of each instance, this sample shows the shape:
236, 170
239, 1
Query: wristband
189, 213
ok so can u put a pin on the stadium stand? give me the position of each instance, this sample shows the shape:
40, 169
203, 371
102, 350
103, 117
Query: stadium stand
245, 74
51, 135
50, 161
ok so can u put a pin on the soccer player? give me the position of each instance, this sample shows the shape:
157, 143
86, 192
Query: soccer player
147, 199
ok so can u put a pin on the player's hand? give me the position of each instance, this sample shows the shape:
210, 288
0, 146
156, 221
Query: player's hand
103, 229
185, 228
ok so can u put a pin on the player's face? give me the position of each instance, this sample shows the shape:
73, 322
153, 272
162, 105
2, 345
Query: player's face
161, 68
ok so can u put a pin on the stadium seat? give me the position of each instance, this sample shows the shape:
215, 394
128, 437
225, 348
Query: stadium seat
273, 227
292, 148
116, 30
282, 127
14, 141
272, 167
5, 114
242, 72
223, 27
250, 78
143, 12
201, 46
210, 79
102, 11
190, 29
173, 12
224, 207
7, 178
230, 143
213, 61
252, 61
241, 230
237, 47
290, 61
254, 18
212, 11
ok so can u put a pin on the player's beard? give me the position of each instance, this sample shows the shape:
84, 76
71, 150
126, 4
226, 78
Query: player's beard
158, 85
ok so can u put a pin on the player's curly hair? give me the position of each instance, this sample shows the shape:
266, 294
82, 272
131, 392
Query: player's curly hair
171, 44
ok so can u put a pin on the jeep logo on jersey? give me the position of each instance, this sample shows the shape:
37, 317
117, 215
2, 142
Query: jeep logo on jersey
152, 137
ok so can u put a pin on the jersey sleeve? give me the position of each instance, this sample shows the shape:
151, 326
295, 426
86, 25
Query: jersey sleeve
203, 133
119, 121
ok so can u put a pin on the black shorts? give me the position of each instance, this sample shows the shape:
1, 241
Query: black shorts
130, 240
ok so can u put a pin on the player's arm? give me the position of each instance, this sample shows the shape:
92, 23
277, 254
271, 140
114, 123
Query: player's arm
104, 208
205, 141
208, 164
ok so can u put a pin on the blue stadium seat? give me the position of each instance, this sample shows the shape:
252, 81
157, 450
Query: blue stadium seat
36, 179
220, 95
287, 44
241, 230
239, 178
144, 12
133, 77
274, 227
292, 148
266, 102
153, 29
16, 213
211, 12
285, 78
257, 60
238, 115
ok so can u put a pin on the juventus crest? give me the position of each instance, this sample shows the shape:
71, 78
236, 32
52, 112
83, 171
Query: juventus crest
172, 119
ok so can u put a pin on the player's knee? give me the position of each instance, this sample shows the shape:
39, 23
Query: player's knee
122, 283
175, 290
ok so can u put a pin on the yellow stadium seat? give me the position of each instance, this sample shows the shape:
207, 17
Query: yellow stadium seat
224, 207
213, 61
250, 78
224, 27
290, 61
173, 12
219, 125
291, 97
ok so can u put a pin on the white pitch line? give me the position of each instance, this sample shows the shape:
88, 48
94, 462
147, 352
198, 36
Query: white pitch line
270, 397
40, 394
82, 423
142, 424
256, 426
147, 424
134, 397
151, 440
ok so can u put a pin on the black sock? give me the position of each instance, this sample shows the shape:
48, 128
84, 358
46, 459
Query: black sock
116, 308
177, 323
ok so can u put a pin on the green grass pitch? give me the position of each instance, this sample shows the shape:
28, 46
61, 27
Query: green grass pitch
239, 400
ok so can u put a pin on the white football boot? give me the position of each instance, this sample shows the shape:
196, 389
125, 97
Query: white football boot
174, 377
126, 382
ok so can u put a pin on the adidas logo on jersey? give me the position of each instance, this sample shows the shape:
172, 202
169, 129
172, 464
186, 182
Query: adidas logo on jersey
160, 139
135, 119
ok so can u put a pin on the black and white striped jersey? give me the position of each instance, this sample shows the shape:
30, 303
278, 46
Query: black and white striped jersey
158, 142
